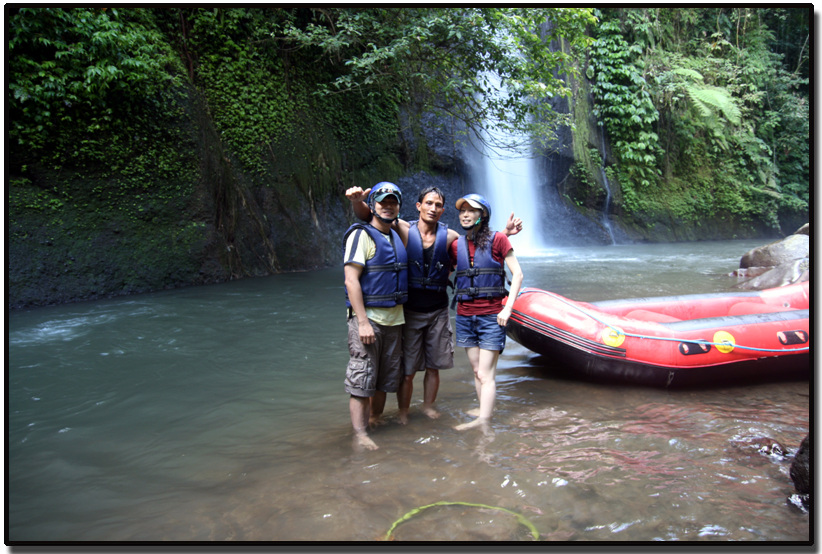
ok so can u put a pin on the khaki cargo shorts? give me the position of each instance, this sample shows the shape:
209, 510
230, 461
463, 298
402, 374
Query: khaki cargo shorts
377, 366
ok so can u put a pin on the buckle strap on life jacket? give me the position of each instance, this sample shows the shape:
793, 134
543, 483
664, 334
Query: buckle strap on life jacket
400, 297
396, 266
475, 291
474, 271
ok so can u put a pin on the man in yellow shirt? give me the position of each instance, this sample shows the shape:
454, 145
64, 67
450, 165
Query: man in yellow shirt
376, 283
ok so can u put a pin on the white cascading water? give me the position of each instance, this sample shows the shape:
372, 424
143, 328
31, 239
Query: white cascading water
511, 186
605, 220
510, 181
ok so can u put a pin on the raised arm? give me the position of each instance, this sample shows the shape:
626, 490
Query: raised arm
513, 226
452, 236
358, 198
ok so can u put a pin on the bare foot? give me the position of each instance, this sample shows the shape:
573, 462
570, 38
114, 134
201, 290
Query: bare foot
482, 443
430, 411
479, 422
375, 421
364, 441
403, 417
473, 412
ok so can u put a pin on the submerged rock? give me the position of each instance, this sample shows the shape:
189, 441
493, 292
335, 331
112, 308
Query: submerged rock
765, 446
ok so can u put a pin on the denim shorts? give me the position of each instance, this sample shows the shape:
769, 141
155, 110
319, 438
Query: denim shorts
480, 330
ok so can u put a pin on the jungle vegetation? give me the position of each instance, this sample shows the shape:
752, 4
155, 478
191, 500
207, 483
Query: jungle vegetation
706, 109
157, 147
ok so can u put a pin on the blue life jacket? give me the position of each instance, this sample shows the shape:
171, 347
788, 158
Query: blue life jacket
384, 279
436, 278
486, 279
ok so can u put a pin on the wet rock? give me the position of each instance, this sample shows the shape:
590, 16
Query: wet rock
796, 271
801, 471
438, 136
804, 230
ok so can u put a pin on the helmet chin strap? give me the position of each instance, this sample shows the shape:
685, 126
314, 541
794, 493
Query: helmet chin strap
476, 224
385, 219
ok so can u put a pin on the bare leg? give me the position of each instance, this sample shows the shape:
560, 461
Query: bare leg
473, 359
404, 397
484, 364
360, 408
431, 384
487, 377
377, 408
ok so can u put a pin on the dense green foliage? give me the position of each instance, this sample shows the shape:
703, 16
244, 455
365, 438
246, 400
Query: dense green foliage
100, 160
79, 67
706, 110
485, 67
155, 147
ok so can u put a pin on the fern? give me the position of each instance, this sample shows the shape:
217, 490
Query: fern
706, 97
685, 72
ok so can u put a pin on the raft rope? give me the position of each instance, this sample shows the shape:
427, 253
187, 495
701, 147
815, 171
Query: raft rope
619, 331
520, 518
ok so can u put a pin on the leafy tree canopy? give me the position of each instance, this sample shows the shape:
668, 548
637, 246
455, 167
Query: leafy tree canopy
489, 68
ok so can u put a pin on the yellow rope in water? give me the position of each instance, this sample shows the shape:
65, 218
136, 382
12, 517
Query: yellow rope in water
521, 519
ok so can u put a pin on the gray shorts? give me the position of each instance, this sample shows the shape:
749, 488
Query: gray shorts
377, 366
428, 341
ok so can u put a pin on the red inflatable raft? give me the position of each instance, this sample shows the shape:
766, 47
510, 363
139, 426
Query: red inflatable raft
698, 339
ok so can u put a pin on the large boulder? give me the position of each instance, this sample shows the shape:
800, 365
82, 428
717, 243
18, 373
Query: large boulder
793, 247
804, 230
777, 264
801, 474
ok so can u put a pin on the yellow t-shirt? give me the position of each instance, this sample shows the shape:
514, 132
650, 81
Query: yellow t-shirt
365, 250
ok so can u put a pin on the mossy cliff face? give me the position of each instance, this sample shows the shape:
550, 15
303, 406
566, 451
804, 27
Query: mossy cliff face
85, 233
179, 206
227, 166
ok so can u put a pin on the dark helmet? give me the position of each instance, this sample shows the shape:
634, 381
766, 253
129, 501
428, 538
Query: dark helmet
477, 201
381, 190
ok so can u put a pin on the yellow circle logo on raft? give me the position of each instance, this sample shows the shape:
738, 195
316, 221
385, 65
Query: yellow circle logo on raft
725, 337
613, 336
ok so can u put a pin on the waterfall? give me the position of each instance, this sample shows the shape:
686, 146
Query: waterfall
509, 179
605, 221
526, 182
510, 184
